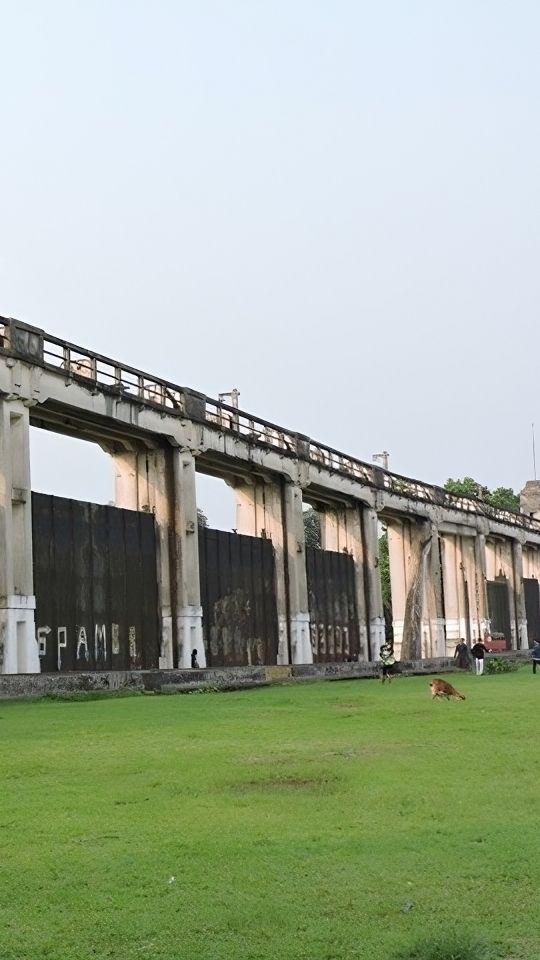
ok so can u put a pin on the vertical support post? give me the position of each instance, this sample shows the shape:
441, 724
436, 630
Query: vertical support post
520, 612
410, 547
453, 586
296, 573
162, 482
274, 510
18, 646
259, 513
435, 601
482, 613
372, 580
186, 561
398, 578
143, 481
417, 594
341, 531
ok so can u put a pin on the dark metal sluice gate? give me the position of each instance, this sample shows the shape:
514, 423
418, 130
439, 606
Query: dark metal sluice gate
238, 595
95, 582
332, 605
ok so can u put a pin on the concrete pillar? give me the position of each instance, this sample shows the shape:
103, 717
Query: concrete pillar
341, 531
372, 581
143, 481
18, 645
434, 632
186, 548
482, 612
520, 613
162, 482
416, 588
274, 509
500, 565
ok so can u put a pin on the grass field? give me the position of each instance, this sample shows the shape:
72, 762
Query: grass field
327, 821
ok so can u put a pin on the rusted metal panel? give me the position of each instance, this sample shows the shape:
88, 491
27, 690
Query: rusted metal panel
332, 605
498, 594
238, 597
96, 586
532, 608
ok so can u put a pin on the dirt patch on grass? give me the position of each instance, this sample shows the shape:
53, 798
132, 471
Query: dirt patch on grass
286, 783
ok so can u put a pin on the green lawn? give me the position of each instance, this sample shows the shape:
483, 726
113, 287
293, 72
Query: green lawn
327, 821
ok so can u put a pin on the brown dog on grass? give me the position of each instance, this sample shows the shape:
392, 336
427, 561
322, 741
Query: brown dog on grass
440, 688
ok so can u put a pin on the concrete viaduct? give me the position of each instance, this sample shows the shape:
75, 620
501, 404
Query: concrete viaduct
444, 550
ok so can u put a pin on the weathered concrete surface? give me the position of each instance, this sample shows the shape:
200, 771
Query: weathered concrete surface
233, 678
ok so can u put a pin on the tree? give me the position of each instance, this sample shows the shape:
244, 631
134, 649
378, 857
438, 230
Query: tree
312, 528
504, 498
202, 519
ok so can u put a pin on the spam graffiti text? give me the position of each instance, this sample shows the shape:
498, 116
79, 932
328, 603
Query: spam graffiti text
92, 647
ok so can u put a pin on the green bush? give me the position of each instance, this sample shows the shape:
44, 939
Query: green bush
449, 946
500, 665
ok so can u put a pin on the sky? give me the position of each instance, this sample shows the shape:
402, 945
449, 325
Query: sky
332, 206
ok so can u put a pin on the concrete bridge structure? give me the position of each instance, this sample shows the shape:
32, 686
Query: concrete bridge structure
454, 562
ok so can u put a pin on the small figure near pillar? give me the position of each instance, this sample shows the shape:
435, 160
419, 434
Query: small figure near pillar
462, 655
479, 651
535, 654
194, 661
388, 661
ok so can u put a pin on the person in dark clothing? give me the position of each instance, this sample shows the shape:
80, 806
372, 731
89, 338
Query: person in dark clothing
479, 651
535, 654
462, 655
388, 660
194, 662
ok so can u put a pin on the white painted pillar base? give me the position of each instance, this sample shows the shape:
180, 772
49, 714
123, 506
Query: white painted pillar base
283, 642
437, 639
166, 651
18, 646
377, 629
397, 626
190, 636
302, 651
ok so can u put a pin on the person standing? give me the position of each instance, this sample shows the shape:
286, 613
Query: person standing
462, 655
535, 654
388, 660
479, 651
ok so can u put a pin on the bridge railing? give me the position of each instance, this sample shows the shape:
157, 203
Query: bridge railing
100, 373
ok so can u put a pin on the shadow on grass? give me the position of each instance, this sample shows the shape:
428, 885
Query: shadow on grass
448, 946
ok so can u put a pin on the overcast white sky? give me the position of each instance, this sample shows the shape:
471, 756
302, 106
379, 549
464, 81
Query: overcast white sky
333, 206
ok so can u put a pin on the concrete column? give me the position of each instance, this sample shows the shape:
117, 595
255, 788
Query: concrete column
455, 604
274, 510
162, 482
435, 635
398, 579
189, 629
259, 513
18, 646
482, 612
500, 565
372, 581
416, 600
522, 639
341, 531
143, 481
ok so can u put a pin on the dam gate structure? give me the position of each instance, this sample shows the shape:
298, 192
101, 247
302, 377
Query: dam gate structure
138, 585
